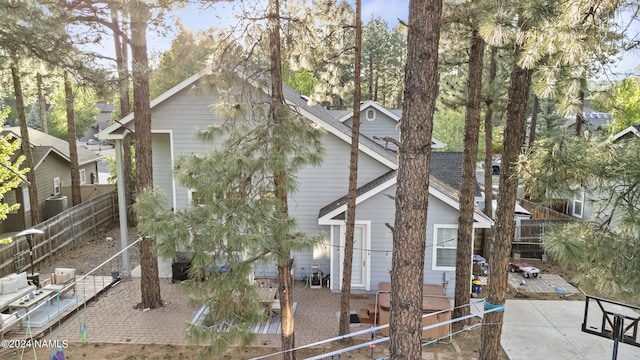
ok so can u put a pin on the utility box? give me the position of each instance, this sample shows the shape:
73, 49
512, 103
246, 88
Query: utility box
55, 205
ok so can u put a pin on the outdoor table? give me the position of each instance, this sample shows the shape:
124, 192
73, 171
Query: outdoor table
28, 305
267, 295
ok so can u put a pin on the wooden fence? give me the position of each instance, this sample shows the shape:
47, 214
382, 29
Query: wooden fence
61, 232
542, 211
527, 242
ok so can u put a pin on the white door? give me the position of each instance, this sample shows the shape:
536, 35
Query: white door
360, 259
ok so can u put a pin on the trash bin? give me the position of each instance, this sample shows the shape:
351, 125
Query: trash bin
180, 268
477, 287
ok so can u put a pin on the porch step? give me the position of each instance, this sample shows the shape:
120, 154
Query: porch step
364, 316
368, 315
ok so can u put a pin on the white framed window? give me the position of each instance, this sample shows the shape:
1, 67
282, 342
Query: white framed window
83, 176
370, 114
445, 242
578, 205
193, 198
56, 186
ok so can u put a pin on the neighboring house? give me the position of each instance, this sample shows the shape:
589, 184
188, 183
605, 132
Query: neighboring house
52, 171
581, 206
628, 133
318, 205
591, 120
103, 120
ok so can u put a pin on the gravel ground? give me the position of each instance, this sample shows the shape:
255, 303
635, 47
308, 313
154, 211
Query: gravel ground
93, 251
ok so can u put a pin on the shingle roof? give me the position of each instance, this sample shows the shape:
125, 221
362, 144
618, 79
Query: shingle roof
42, 144
447, 167
361, 190
445, 172
323, 114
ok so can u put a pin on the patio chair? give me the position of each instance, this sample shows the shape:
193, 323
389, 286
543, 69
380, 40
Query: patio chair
60, 279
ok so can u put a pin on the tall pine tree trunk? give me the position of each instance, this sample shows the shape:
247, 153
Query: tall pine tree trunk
534, 121
412, 194
277, 110
125, 108
42, 104
467, 193
149, 283
580, 112
76, 195
488, 151
26, 146
500, 247
347, 266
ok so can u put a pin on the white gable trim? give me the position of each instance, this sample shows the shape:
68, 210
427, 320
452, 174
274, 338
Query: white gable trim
347, 138
106, 134
630, 129
327, 219
479, 220
435, 143
375, 105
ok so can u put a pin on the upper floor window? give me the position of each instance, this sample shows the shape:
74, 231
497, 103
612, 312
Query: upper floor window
83, 176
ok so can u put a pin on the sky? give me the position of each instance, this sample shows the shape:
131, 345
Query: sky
197, 18
221, 13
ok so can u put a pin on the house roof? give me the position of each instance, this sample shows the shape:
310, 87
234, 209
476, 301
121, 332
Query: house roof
437, 188
593, 120
395, 114
447, 167
315, 113
373, 104
43, 144
364, 189
627, 133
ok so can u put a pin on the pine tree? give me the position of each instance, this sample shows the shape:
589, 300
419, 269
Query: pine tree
239, 216
602, 246
149, 283
467, 192
407, 272
345, 296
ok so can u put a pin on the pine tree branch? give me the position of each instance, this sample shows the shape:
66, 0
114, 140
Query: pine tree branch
390, 227
388, 139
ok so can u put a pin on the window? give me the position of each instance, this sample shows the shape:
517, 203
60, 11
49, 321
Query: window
56, 186
83, 176
195, 199
578, 205
446, 242
370, 114
10, 199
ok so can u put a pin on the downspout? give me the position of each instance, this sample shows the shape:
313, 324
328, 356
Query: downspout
122, 211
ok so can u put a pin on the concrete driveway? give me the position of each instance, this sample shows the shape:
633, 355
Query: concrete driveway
551, 330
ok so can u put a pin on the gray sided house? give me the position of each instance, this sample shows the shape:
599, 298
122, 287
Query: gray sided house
318, 204
52, 168
581, 205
